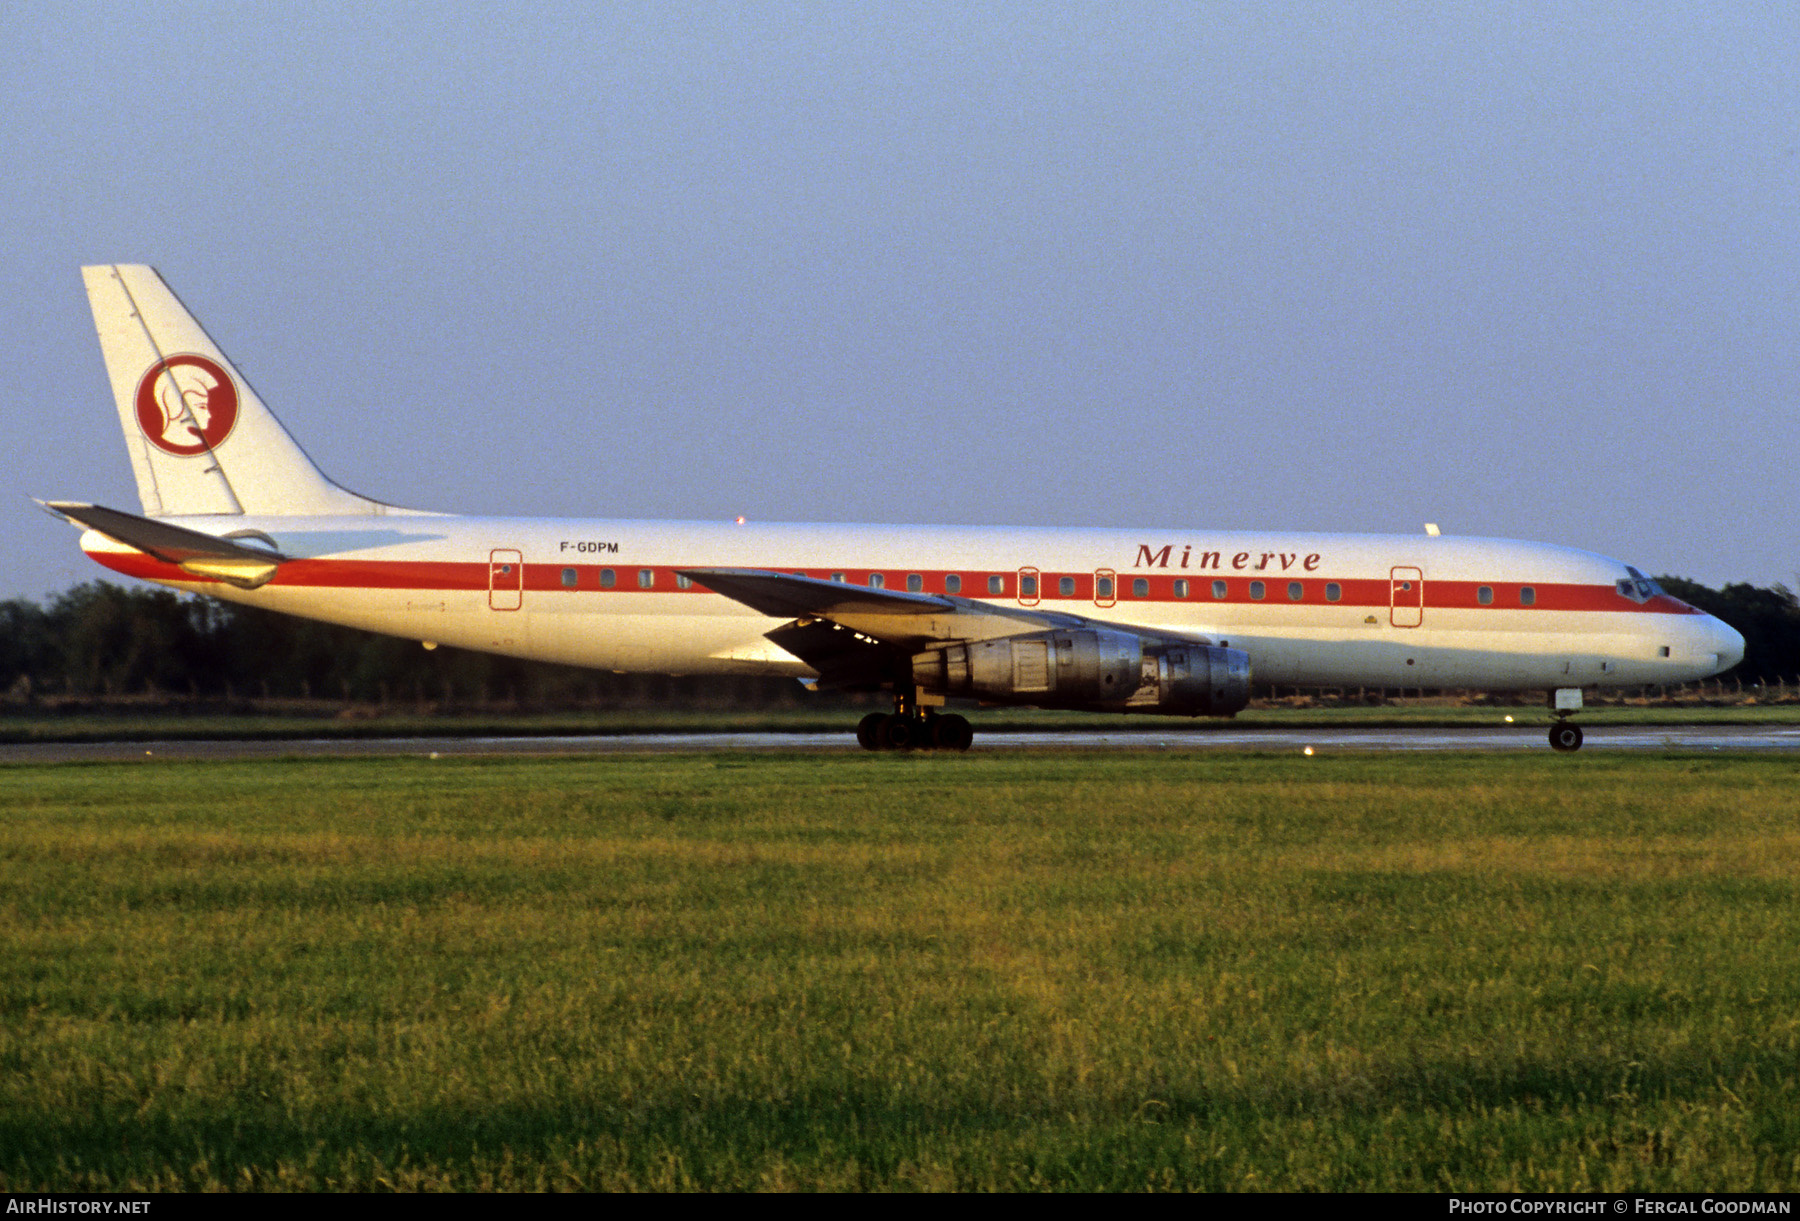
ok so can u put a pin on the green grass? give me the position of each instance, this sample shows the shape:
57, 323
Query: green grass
1002, 970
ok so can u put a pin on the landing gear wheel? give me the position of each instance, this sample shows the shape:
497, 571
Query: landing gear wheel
951, 732
868, 731
898, 733
1565, 737
912, 727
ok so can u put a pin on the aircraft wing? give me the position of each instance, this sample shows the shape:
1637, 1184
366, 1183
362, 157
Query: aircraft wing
889, 615
854, 636
783, 594
202, 554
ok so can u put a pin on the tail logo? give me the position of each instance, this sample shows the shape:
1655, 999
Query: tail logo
186, 405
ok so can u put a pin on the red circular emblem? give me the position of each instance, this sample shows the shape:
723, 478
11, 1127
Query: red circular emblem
186, 405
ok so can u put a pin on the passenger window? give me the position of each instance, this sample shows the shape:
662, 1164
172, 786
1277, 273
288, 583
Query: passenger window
1527, 596
877, 581
1219, 589
569, 578
608, 578
646, 578
1140, 588
1181, 587
1027, 587
1333, 591
1103, 587
1066, 586
952, 584
996, 585
1485, 595
914, 583
682, 582
838, 577
1257, 590
1296, 591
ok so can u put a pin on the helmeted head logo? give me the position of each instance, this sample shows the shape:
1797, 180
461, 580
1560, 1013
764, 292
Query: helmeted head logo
186, 405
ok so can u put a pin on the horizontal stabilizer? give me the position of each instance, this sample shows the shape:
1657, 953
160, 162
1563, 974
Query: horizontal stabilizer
204, 555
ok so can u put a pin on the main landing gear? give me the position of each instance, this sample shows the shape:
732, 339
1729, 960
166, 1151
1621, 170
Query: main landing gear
912, 727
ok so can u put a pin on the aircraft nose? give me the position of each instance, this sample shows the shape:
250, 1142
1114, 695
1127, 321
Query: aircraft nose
1726, 641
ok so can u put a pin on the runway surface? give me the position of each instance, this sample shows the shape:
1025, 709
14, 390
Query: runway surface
1779, 738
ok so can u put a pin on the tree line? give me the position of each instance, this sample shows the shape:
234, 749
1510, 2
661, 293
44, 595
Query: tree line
1768, 617
102, 639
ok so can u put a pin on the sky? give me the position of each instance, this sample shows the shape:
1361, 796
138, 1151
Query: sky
1522, 271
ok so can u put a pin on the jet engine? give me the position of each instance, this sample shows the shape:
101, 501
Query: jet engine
1193, 680
1091, 668
1056, 667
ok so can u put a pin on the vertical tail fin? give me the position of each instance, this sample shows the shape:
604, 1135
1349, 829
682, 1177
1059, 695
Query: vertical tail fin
200, 439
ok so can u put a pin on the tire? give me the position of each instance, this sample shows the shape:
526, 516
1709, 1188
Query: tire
868, 731
898, 733
1565, 738
951, 732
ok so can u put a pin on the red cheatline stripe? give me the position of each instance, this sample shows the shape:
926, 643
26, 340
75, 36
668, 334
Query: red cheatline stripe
548, 578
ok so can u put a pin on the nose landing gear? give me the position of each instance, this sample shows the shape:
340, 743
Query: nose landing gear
1564, 736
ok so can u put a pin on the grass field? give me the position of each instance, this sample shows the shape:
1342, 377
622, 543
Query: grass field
1078, 970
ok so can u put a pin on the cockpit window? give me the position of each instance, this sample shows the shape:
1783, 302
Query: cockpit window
1638, 587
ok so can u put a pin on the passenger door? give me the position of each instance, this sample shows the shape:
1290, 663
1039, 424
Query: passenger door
1406, 597
506, 580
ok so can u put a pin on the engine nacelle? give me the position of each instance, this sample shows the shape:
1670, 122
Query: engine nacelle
1057, 668
1092, 668
1193, 680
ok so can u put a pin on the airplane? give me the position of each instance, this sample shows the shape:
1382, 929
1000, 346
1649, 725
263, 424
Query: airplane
1170, 621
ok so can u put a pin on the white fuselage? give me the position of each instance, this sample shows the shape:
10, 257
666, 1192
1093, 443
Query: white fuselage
1309, 609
